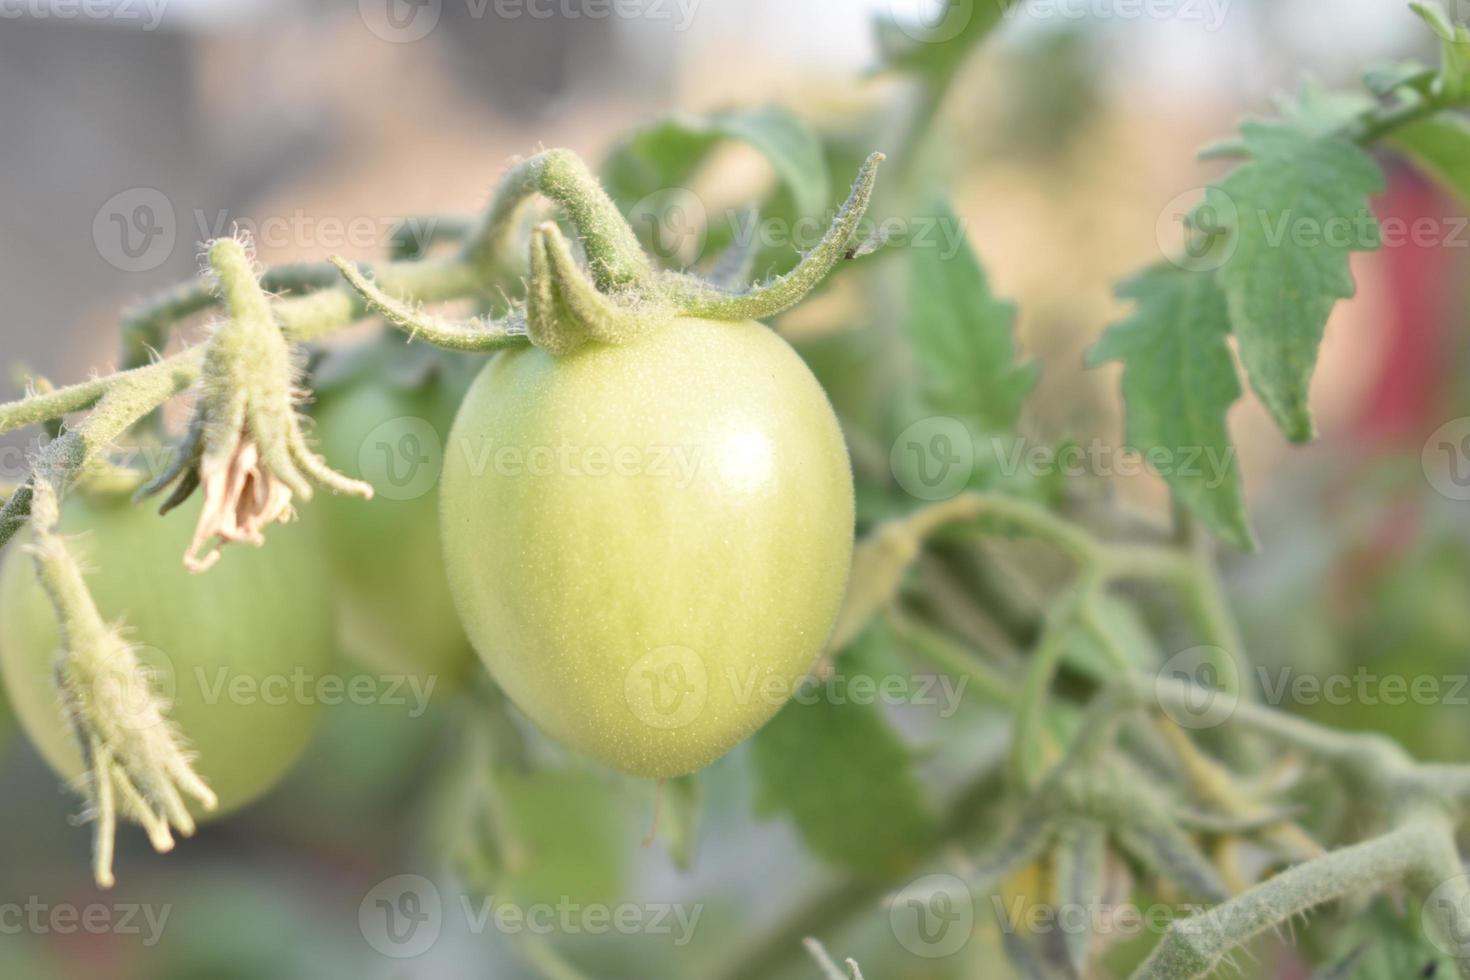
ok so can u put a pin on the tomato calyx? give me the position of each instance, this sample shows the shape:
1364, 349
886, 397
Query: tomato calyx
618, 297
245, 444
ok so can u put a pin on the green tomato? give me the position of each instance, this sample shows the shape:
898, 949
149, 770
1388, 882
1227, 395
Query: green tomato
648, 543
238, 650
395, 614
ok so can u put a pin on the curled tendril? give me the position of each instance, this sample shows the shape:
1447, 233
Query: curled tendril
244, 446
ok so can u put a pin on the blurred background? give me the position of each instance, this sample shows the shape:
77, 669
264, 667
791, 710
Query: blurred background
136, 129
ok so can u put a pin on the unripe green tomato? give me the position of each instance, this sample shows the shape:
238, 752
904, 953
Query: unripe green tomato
648, 543
395, 615
238, 650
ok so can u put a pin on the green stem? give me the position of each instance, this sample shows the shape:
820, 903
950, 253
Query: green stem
1193, 947
616, 259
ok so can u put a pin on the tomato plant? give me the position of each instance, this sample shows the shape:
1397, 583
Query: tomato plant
968, 673
692, 487
241, 684
387, 422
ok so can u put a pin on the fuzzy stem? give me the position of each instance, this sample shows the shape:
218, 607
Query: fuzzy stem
437, 330
696, 298
1195, 946
613, 252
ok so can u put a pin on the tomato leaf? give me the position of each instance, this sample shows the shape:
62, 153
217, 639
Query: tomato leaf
845, 777
962, 332
1440, 146
663, 157
1289, 218
1179, 381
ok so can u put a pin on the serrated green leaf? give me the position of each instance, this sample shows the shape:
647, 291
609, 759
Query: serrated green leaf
1440, 145
846, 779
1291, 217
1319, 111
664, 156
1179, 382
962, 333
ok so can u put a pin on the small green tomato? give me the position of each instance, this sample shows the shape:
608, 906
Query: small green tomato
648, 543
238, 651
385, 420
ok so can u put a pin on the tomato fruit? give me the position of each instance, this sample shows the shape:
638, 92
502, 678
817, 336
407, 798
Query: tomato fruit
648, 543
239, 651
384, 419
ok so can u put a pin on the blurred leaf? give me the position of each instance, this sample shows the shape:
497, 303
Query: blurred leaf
1380, 944
1079, 861
1386, 78
846, 779
963, 334
662, 158
1179, 382
683, 803
1440, 145
557, 852
1291, 217
1126, 628
938, 46
667, 152
1319, 112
